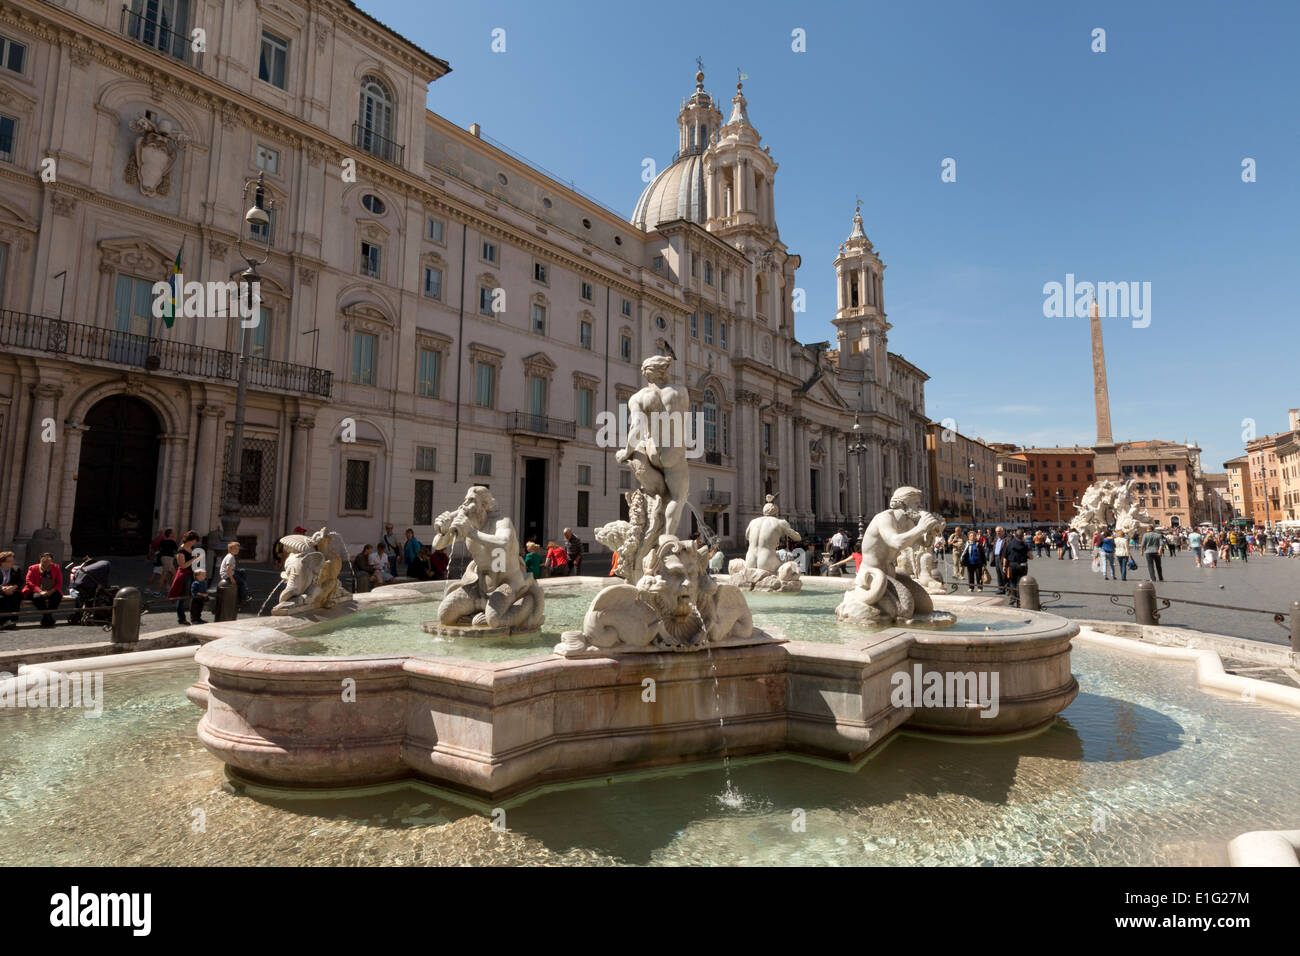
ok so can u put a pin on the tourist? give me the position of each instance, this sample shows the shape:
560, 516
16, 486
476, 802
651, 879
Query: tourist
972, 559
999, 541
533, 559
613, 565
232, 572
410, 550
1152, 544
1195, 540
557, 560
438, 562
1058, 542
956, 541
1072, 539
1210, 558
180, 589
839, 545
1123, 554
381, 562
165, 559
198, 596
1040, 541
1107, 546
418, 565
388, 551
1015, 564
717, 557
11, 590
573, 550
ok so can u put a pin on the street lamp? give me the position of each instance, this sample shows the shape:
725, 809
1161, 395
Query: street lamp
970, 464
858, 446
1029, 503
258, 217
1059, 498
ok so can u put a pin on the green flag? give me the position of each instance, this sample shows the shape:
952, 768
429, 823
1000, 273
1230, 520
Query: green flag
169, 313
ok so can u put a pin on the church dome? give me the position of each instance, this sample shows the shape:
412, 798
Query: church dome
676, 193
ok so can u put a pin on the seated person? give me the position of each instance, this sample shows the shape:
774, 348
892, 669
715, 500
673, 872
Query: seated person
364, 568
11, 589
44, 587
379, 566
417, 564
438, 563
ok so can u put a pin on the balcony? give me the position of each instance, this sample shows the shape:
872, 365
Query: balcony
376, 145
526, 423
158, 37
712, 499
71, 340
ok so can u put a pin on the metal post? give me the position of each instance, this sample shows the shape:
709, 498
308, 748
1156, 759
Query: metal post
1144, 603
128, 605
1029, 594
1295, 627
227, 607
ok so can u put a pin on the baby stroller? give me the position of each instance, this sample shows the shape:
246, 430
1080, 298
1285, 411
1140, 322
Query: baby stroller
93, 594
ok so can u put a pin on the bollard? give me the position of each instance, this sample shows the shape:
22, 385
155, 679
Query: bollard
1295, 627
1029, 594
1144, 603
227, 607
127, 608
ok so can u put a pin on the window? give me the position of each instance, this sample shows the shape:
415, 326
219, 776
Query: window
584, 334
162, 25
695, 266
585, 291
584, 509
539, 319
660, 322
537, 395
625, 348
625, 480
584, 410
4, 271
363, 358
489, 252
433, 230
726, 433
423, 511
482, 465
267, 158
373, 203
370, 259
657, 263
273, 60
627, 307
260, 335
767, 438
426, 458
539, 272
723, 283
12, 55
722, 334
584, 475
695, 327
708, 328
503, 179
133, 305
710, 420
8, 137
485, 385
375, 118
708, 273
432, 282
430, 373
356, 485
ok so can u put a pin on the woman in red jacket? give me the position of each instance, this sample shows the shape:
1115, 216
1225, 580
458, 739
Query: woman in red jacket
180, 589
557, 559
44, 586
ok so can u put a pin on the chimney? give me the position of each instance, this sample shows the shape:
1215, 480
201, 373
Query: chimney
1294, 414
475, 129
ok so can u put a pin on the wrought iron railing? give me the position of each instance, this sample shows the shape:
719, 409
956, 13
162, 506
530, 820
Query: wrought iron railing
154, 35
377, 145
38, 333
541, 425
710, 496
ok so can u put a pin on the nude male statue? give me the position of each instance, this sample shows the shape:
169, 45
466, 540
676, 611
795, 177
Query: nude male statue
495, 590
657, 434
764, 535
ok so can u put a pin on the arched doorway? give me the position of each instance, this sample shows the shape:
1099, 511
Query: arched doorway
116, 478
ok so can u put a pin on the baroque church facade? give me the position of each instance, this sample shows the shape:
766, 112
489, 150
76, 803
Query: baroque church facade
436, 311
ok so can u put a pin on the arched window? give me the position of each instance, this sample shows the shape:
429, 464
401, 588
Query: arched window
375, 119
710, 420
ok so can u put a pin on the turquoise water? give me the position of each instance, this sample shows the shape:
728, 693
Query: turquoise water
1143, 768
807, 616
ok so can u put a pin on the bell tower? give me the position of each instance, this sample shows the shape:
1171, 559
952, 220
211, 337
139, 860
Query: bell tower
861, 328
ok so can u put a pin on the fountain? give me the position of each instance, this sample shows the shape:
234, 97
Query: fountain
311, 572
1109, 504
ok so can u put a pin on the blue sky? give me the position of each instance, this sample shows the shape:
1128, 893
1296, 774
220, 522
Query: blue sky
1115, 166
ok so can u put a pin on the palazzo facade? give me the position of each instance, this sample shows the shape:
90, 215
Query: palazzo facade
435, 311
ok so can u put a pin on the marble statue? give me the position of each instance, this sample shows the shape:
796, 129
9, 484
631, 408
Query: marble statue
667, 601
762, 570
496, 593
881, 593
1111, 504
311, 572
919, 563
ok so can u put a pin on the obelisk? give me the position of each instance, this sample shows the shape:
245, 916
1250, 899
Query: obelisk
1105, 460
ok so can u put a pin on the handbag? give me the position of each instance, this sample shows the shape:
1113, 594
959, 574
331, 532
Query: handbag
1132, 565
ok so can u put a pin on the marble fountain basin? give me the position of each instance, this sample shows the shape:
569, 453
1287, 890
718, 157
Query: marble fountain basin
283, 707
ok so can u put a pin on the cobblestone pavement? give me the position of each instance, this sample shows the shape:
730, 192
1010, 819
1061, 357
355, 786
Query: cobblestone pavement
1267, 583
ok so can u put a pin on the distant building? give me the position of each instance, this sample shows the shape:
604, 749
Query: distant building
1239, 490
963, 477
1166, 477
1013, 484
1058, 476
1286, 450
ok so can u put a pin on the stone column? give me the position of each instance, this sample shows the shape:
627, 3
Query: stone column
784, 443
210, 454
67, 478
36, 472
299, 470
171, 474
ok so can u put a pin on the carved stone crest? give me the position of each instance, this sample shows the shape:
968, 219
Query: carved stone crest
156, 148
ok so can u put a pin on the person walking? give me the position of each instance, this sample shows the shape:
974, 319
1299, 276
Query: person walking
1123, 554
999, 542
573, 551
165, 562
1107, 545
1073, 540
533, 559
1194, 542
956, 541
1015, 565
1040, 541
972, 559
180, 589
1152, 543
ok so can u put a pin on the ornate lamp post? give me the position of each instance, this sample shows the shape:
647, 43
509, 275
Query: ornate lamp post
970, 464
257, 217
1059, 498
1029, 499
858, 447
